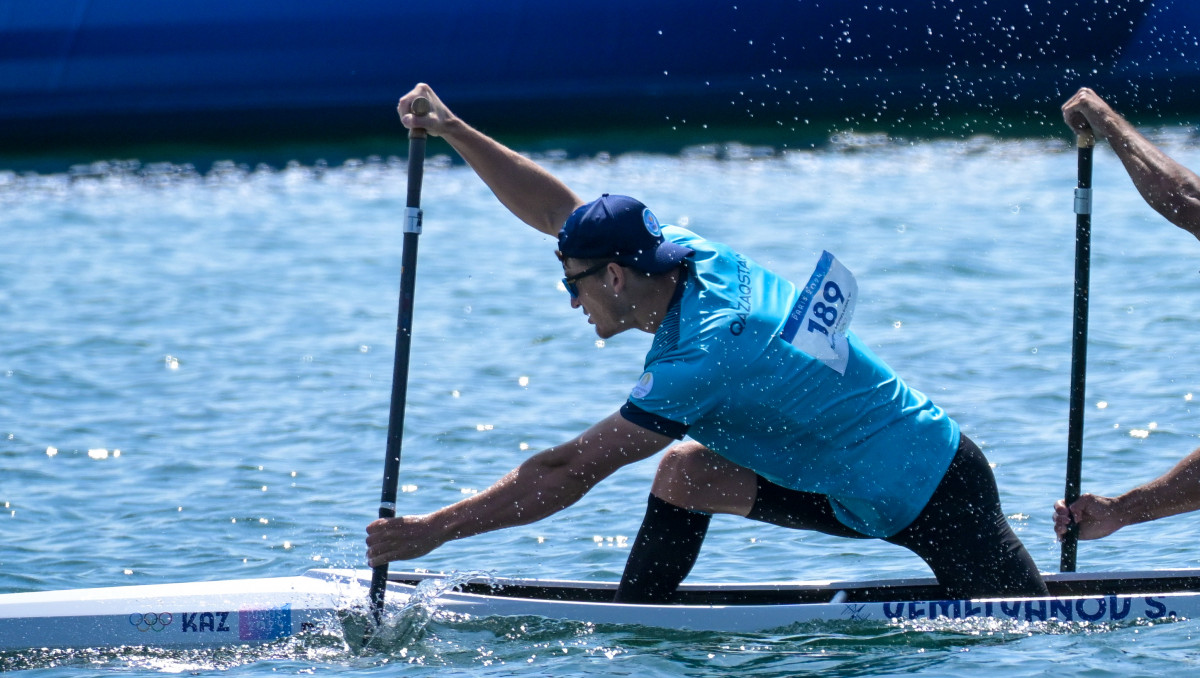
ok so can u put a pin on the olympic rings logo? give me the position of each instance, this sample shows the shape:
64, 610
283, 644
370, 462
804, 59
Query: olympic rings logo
151, 621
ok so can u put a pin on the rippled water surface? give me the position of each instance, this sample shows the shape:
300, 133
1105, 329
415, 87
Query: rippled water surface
195, 372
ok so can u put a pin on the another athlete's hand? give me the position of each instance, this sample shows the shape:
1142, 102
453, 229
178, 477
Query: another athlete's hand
1096, 516
1087, 113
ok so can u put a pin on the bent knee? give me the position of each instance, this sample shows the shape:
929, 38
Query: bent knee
694, 477
687, 461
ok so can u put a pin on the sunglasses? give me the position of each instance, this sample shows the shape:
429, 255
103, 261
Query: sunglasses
569, 281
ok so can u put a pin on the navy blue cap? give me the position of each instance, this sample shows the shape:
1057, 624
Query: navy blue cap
620, 228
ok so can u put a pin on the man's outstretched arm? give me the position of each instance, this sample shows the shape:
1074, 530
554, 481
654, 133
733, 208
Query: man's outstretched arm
1174, 492
529, 191
1170, 188
543, 485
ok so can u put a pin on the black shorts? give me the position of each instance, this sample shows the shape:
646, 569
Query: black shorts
961, 533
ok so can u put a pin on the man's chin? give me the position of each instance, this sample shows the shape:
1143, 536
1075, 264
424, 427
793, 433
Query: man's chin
607, 333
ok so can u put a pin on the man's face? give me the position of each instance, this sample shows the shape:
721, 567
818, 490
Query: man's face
592, 289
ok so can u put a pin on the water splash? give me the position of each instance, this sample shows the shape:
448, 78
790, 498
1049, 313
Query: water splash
403, 627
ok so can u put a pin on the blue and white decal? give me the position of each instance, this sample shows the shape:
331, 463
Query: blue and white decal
268, 624
204, 622
249, 624
651, 223
151, 621
643, 386
1109, 608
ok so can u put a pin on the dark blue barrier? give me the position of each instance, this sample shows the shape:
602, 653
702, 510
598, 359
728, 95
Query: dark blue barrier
134, 71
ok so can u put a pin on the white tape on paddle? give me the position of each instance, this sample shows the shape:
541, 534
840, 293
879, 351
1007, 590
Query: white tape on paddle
1083, 201
412, 220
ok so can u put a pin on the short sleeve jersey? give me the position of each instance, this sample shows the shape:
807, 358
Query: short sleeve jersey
721, 371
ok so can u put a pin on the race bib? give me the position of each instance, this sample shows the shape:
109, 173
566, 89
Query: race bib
818, 322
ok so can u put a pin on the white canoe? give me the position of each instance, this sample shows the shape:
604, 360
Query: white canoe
255, 611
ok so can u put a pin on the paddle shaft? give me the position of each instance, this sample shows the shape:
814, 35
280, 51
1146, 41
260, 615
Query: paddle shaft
1085, 144
408, 277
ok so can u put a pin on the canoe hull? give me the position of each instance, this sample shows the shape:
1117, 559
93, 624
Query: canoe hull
206, 614
257, 611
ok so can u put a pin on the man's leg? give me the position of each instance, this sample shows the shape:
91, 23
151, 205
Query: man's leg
692, 483
963, 535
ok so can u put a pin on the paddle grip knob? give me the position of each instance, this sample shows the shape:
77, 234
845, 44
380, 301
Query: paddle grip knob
420, 107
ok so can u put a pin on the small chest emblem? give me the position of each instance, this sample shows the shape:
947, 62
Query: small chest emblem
642, 388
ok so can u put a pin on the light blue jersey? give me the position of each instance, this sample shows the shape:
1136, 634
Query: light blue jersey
726, 369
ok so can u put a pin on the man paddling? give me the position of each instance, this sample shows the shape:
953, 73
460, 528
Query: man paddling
792, 420
1174, 192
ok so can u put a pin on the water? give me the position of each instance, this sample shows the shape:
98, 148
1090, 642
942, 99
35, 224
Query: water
196, 366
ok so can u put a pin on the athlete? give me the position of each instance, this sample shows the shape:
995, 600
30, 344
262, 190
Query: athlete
1170, 188
1174, 191
792, 420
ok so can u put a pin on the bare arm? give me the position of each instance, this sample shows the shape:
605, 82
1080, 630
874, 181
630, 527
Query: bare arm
530, 192
544, 484
1170, 188
1176, 491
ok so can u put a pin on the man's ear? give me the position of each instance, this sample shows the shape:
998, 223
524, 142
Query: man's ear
616, 276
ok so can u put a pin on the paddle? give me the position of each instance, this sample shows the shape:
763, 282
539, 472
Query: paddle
408, 276
1084, 143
